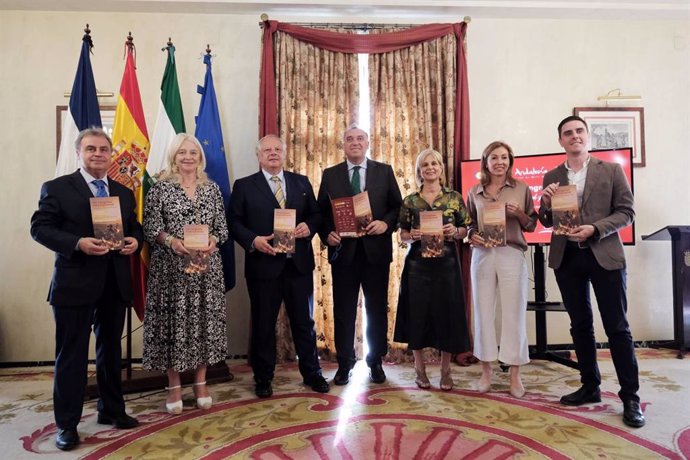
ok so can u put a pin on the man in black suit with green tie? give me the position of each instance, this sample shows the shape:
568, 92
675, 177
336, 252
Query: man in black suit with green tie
360, 262
91, 285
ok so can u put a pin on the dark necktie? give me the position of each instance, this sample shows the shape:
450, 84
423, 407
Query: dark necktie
356, 187
101, 191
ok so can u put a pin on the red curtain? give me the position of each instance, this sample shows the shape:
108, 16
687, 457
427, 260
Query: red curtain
367, 43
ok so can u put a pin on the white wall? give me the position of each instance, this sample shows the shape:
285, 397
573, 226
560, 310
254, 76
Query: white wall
525, 75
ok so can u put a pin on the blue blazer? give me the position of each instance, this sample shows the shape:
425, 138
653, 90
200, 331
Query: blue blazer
250, 214
64, 216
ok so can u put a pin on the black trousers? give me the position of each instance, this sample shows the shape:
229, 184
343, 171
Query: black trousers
72, 333
297, 291
578, 269
347, 280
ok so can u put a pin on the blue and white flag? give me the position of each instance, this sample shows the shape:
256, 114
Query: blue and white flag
83, 110
209, 133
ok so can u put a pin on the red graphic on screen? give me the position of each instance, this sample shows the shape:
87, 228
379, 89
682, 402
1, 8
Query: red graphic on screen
531, 170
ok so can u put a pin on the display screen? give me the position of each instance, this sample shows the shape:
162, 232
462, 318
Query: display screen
531, 170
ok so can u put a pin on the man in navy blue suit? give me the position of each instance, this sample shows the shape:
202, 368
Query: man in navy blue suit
273, 278
91, 285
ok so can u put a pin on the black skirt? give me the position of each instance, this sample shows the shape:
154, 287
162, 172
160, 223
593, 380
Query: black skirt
431, 304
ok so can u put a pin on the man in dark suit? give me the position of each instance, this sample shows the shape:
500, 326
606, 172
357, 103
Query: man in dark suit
91, 285
276, 277
593, 253
360, 262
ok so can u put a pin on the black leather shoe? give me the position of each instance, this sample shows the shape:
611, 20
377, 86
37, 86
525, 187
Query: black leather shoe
632, 414
376, 374
342, 376
263, 389
318, 383
582, 396
67, 439
121, 421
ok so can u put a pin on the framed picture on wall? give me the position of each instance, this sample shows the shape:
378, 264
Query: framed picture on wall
615, 127
107, 118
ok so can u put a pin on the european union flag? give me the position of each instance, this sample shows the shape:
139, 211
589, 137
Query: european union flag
209, 133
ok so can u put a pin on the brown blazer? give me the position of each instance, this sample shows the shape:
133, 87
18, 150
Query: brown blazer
607, 203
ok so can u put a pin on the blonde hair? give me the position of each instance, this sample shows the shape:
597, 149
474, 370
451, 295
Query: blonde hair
418, 166
484, 174
171, 173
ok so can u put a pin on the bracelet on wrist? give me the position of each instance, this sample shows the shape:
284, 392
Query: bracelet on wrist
168, 240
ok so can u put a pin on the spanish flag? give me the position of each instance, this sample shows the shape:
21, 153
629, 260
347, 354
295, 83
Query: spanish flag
130, 153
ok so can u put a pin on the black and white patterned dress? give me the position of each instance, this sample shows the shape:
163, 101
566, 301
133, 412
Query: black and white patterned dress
184, 321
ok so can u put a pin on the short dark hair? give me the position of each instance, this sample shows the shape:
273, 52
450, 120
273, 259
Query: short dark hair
568, 120
93, 132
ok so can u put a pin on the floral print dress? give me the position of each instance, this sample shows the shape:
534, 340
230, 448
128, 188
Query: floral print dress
431, 305
184, 320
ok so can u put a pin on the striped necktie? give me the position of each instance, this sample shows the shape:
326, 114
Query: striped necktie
101, 191
280, 196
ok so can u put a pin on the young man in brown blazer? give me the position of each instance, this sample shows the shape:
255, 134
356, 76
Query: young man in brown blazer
360, 262
593, 253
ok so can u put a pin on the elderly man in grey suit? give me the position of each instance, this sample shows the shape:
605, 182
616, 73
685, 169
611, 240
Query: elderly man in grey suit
593, 253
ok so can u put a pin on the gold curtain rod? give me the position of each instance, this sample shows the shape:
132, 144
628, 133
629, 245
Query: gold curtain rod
352, 25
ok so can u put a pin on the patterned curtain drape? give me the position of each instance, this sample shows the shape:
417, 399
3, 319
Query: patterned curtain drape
309, 95
412, 94
318, 97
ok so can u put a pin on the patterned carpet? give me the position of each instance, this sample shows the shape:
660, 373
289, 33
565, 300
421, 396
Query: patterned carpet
366, 421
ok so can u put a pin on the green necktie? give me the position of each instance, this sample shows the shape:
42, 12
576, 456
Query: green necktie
356, 187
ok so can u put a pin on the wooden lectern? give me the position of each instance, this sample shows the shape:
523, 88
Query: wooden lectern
679, 235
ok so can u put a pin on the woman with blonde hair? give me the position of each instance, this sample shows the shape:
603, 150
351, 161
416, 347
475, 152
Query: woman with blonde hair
498, 268
184, 320
431, 306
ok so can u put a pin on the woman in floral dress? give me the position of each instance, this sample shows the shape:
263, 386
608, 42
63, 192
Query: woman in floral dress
184, 322
431, 306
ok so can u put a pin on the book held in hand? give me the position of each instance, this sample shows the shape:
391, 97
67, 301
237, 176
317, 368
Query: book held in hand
107, 221
284, 223
565, 210
431, 226
196, 241
492, 224
352, 215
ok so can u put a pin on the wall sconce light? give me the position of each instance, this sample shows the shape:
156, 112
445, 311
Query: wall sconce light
616, 95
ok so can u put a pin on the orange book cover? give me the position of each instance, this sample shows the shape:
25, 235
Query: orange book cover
565, 210
431, 225
107, 221
195, 241
492, 224
284, 223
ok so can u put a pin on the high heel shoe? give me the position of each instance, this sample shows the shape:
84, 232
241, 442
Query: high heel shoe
174, 408
517, 390
205, 402
483, 387
422, 380
446, 380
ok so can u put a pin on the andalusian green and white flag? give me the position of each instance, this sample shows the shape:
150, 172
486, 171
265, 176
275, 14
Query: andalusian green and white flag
170, 120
